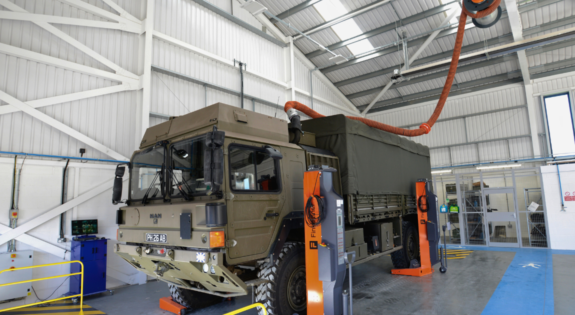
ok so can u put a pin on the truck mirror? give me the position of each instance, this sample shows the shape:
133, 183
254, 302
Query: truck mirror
214, 160
117, 190
274, 154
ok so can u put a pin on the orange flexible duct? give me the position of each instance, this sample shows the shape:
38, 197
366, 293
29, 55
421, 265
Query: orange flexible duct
425, 128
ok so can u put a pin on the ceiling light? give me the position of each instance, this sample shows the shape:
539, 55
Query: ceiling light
497, 166
253, 7
441, 172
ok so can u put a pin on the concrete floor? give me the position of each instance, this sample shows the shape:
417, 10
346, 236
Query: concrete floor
488, 281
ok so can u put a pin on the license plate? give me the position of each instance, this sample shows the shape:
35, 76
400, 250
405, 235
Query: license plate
156, 238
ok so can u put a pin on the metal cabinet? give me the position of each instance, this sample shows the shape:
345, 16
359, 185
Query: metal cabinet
92, 253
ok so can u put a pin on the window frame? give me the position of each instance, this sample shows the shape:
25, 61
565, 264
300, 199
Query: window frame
277, 165
131, 167
546, 119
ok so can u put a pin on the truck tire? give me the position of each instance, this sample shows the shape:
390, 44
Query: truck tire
402, 258
192, 300
285, 294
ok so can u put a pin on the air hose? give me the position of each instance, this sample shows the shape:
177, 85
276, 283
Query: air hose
424, 128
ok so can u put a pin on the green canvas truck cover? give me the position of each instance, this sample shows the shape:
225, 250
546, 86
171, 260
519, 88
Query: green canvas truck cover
372, 161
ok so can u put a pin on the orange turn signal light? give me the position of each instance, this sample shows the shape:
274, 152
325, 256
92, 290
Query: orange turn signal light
217, 239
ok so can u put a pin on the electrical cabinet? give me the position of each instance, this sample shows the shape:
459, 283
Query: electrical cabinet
13, 260
92, 253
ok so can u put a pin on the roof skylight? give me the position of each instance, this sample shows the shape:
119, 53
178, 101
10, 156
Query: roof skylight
331, 9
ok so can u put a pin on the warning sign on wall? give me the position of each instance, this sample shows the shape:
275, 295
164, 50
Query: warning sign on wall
570, 196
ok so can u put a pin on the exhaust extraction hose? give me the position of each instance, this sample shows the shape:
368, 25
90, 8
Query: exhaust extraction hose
424, 128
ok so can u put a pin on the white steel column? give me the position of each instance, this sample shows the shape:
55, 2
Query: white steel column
410, 60
147, 76
292, 69
517, 31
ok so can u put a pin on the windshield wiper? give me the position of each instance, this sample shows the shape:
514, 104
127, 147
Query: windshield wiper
179, 185
158, 174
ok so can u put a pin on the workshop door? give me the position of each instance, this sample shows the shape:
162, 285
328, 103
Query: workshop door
500, 208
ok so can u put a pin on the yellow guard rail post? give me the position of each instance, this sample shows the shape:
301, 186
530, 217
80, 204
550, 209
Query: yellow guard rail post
243, 309
81, 295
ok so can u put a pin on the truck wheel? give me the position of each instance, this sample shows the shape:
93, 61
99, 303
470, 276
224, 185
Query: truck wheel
402, 258
285, 294
192, 300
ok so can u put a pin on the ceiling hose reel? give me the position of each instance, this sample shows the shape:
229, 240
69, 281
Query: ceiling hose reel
484, 13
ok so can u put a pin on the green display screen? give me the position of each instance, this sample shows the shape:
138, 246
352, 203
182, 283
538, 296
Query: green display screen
84, 227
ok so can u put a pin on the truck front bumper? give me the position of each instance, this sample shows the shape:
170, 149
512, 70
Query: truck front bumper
185, 268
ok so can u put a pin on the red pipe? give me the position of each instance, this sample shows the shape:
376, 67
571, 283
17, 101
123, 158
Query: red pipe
425, 128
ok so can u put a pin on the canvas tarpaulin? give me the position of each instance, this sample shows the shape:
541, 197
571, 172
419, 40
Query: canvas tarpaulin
372, 161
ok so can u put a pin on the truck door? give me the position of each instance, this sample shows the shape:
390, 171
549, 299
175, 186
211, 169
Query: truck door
254, 198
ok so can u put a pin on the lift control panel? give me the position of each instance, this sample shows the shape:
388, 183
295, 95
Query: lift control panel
325, 242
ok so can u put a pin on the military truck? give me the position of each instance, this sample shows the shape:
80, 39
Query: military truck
215, 203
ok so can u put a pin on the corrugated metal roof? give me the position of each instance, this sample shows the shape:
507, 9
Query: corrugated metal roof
395, 12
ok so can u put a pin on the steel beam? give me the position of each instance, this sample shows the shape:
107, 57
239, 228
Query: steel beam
37, 243
72, 41
447, 54
465, 87
499, 50
123, 13
383, 29
344, 17
31, 17
472, 86
530, 52
408, 60
517, 31
490, 42
41, 58
300, 7
84, 6
7, 109
144, 119
391, 49
50, 214
60, 126
437, 75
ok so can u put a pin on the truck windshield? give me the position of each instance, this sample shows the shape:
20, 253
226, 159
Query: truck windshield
187, 165
145, 167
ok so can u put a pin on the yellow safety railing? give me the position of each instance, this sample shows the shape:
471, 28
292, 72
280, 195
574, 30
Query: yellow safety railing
243, 309
81, 295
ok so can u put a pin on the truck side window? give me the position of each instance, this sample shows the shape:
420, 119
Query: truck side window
252, 169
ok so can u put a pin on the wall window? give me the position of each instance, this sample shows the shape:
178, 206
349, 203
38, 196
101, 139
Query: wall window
559, 116
252, 169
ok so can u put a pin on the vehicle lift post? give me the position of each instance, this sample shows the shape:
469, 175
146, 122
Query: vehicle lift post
426, 203
324, 243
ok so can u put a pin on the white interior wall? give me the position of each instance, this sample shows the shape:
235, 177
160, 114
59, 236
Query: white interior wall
561, 232
40, 190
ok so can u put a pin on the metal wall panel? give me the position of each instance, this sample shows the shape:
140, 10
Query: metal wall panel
108, 119
496, 125
198, 26
118, 46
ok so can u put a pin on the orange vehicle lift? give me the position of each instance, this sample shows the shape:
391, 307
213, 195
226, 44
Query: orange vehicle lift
428, 232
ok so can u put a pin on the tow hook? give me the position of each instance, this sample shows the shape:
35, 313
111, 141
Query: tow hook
161, 268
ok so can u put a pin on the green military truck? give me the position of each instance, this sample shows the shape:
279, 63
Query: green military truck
215, 202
